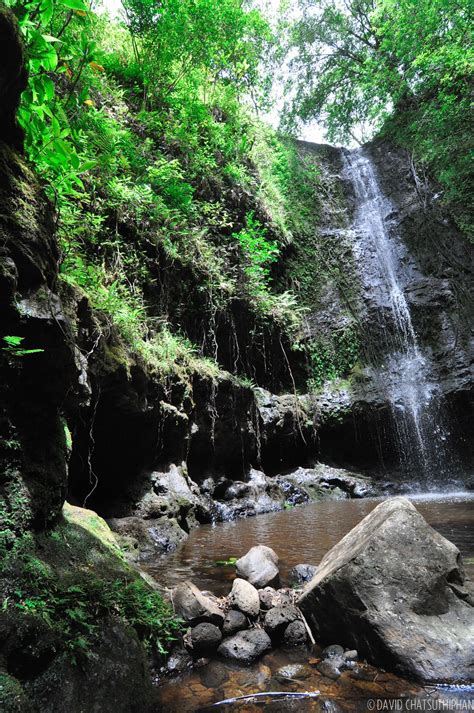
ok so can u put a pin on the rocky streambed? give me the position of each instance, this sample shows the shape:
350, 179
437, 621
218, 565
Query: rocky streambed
364, 608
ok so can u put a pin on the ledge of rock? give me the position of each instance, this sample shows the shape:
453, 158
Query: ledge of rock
393, 589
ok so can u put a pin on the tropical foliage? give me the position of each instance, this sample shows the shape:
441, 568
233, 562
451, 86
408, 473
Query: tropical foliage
146, 136
403, 66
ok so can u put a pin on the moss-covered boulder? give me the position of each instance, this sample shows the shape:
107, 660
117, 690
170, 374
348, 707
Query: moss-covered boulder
80, 626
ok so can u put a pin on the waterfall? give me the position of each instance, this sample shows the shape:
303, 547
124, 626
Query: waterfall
401, 369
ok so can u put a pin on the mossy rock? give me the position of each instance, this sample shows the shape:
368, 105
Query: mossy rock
13, 698
93, 524
80, 622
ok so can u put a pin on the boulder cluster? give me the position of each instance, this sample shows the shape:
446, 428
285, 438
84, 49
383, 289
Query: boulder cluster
253, 618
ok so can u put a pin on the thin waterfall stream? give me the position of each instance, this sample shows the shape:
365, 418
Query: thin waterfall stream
405, 375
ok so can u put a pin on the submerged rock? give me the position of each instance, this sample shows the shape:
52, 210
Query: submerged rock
244, 597
292, 672
329, 668
192, 606
245, 646
179, 660
302, 573
389, 587
259, 566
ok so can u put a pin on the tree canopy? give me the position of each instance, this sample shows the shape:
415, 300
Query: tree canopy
403, 65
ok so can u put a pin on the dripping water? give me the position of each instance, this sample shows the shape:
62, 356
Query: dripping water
404, 376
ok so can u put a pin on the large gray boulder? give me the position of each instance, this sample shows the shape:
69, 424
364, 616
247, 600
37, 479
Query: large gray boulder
259, 566
194, 607
392, 588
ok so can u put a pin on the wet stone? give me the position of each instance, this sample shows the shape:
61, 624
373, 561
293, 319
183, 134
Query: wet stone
205, 638
179, 661
295, 671
332, 652
244, 597
234, 621
213, 675
267, 596
277, 619
245, 646
295, 634
259, 566
194, 607
329, 668
351, 655
302, 573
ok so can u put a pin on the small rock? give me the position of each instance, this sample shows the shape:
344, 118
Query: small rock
244, 597
192, 606
179, 661
333, 652
329, 669
284, 597
295, 634
302, 573
292, 672
267, 596
234, 621
214, 675
245, 646
259, 566
351, 655
205, 638
278, 618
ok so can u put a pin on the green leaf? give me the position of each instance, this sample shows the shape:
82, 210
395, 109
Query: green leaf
75, 5
13, 341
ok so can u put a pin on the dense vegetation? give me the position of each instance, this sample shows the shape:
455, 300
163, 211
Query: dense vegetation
144, 134
402, 67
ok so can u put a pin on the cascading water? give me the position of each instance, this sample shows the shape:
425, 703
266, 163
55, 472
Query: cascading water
404, 376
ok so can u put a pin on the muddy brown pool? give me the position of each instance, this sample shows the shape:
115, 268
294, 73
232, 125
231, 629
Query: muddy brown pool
302, 534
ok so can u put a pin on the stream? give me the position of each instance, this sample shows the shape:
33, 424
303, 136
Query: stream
298, 535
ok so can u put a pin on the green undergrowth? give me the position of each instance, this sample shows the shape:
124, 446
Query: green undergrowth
334, 357
147, 140
65, 586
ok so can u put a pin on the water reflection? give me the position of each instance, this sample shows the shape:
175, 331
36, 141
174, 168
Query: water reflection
302, 534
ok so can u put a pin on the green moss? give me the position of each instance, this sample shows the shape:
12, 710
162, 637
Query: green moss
72, 580
333, 357
94, 524
12, 696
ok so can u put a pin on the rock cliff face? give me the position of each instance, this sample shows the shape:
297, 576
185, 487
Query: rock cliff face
435, 270
438, 269
127, 423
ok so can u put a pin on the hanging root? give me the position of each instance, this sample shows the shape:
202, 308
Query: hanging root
93, 479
